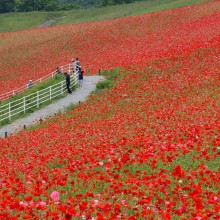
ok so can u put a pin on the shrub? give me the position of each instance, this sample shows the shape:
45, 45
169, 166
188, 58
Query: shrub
104, 84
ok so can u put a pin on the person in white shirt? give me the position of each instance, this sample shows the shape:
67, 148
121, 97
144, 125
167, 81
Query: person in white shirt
77, 64
74, 65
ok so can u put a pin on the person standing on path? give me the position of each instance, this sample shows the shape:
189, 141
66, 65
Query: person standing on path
74, 66
77, 63
80, 77
58, 70
67, 77
30, 84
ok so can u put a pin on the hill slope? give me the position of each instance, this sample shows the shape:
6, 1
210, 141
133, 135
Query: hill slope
39, 51
147, 148
21, 21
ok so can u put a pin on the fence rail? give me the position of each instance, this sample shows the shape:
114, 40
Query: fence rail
22, 105
65, 68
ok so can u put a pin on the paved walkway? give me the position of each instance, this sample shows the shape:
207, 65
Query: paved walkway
89, 84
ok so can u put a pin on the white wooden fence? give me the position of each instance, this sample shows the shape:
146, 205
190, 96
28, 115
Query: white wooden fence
65, 68
20, 106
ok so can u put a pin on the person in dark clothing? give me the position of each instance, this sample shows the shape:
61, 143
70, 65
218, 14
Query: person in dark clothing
58, 70
67, 77
80, 77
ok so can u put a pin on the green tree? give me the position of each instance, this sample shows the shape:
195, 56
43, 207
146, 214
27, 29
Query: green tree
35, 5
24, 5
82, 3
6, 6
51, 5
129, 1
103, 3
111, 2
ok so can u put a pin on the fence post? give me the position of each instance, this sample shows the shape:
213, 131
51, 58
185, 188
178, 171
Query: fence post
18, 90
74, 81
9, 110
61, 87
37, 99
24, 104
69, 68
99, 71
50, 94
6, 134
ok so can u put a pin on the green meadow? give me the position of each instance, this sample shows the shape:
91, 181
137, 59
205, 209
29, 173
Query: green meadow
20, 21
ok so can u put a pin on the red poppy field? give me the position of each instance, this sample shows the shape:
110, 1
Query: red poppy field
147, 148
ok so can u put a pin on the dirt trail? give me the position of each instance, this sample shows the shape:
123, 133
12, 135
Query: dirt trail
50, 22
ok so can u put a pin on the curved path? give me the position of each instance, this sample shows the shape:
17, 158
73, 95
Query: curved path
78, 95
46, 23
49, 22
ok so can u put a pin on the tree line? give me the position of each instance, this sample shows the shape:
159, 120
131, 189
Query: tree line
55, 5
104, 3
35, 5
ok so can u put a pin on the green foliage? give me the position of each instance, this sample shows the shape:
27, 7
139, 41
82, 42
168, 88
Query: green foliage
68, 6
64, 5
44, 5
81, 3
105, 3
104, 84
24, 20
32, 93
21, 21
35, 5
110, 75
6, 6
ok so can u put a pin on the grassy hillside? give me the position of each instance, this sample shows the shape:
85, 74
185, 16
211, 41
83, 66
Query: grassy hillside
21, 21
118, 11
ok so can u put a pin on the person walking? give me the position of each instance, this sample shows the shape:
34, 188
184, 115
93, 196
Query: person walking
67, 77
80, 77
